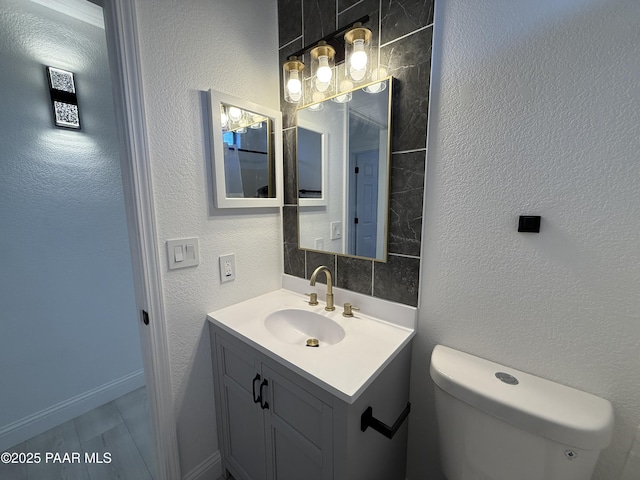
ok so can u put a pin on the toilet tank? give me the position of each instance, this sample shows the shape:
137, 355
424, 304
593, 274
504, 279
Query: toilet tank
498, 423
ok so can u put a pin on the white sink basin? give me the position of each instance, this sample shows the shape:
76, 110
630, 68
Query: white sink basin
296, 326
353, 351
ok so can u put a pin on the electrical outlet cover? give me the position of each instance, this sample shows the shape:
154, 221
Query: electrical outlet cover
227, 267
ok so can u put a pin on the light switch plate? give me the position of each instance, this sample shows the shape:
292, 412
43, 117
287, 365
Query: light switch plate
183, 253
336, 230
227, 267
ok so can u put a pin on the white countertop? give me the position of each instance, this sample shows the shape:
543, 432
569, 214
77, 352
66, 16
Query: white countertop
345, 369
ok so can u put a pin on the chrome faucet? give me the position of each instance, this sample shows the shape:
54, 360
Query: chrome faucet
327, 274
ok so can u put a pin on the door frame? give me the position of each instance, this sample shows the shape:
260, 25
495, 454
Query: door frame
124, 59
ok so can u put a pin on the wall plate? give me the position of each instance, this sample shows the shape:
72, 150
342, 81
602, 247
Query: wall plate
183, 253
227, 267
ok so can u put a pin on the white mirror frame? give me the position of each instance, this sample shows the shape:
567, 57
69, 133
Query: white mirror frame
219, 194
322, 200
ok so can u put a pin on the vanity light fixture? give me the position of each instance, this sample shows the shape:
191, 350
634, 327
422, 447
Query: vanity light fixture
292, 72
358, 52
325, 54
235, 119
322, 66
64, 101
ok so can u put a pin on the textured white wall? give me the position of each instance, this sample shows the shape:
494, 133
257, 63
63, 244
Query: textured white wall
187, 48
66, 289
535, 110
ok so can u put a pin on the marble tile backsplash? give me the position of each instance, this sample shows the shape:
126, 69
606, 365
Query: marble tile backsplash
403, 29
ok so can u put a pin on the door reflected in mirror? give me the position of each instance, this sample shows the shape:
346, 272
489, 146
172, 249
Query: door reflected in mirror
245, 148
343, 173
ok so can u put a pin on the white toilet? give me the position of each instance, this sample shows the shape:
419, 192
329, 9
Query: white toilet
497, 423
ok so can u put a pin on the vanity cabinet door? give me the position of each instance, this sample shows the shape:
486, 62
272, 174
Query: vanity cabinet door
243, 428
299, 431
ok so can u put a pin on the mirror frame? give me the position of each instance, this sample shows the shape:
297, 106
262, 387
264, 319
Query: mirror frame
387, 185
324, 141
220, 191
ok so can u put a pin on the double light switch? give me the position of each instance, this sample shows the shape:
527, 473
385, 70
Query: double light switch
182, 253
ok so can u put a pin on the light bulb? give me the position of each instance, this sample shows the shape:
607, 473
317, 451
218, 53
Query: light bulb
358, 60
294, 86
235, 113
324, 72
223, 119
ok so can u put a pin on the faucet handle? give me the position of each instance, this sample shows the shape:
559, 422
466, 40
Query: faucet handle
313, 298
348, 310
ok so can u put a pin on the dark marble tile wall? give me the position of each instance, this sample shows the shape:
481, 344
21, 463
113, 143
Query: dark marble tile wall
403, 30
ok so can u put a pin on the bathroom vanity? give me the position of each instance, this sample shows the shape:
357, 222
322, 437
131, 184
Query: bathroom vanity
286, 411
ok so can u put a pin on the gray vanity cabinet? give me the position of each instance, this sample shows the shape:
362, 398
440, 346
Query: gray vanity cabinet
244, 445
273, 424
298, 431
272, 429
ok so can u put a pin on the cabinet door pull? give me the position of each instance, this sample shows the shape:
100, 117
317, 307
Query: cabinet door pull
263, 403
257, 399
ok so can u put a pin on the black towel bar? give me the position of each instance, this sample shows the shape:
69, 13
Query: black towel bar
367, 420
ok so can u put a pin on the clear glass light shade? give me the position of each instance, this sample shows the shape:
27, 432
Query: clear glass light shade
358, 54
292, 78
375, 87
358, 61
322, 67
379, 73
343, 98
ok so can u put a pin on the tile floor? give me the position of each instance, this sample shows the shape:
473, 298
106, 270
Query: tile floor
119, 428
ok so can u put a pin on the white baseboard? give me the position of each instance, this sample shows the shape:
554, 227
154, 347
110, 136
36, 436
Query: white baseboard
209, 469
48, 418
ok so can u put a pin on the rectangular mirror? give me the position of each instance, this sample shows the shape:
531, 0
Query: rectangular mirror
343, 147
247, 153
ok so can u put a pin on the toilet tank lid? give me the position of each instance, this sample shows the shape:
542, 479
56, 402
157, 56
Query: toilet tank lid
564, 414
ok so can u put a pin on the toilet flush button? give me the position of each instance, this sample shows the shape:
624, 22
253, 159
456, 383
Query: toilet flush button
570, 454
506, 378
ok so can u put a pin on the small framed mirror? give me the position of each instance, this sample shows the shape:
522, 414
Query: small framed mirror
313, 148
247, 153
343, 172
